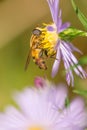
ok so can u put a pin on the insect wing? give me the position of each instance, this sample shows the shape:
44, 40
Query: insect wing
28, 59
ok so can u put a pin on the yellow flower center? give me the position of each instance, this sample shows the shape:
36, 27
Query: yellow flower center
35, 128
49, 39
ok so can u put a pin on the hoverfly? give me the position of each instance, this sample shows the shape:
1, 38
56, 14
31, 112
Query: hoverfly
36, 52
42, 44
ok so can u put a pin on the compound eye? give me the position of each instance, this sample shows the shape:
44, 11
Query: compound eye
36, 32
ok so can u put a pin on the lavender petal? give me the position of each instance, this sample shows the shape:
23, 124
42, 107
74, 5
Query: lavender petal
69, 75
56, 63
54, 8
73, 61
59, 21
72, 47
64, 26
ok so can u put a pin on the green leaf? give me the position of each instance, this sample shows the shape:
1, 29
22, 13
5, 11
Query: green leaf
80, 92
80, 15
71, 33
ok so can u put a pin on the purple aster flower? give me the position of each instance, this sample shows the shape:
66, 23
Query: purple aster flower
64, 48
53, 41
44, 109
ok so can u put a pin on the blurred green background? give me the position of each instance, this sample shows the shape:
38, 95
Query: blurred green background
17, 19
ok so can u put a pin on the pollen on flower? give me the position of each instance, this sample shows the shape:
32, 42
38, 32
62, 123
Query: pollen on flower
49, 38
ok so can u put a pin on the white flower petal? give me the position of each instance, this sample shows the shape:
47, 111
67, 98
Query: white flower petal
55, 95
36, 109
